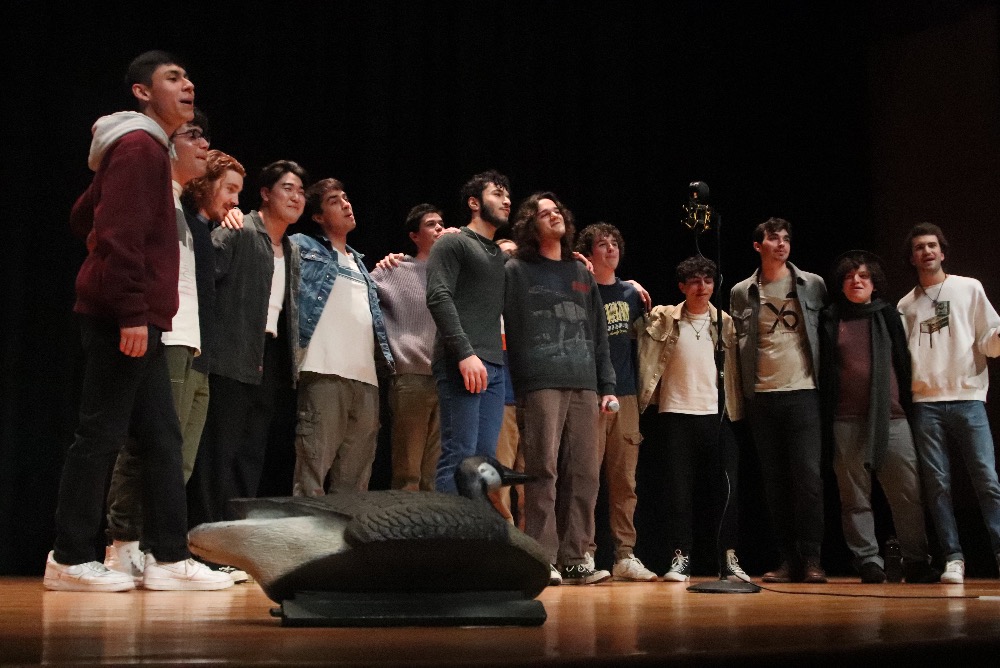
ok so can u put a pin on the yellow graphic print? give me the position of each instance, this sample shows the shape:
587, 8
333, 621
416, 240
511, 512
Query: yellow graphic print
617, 314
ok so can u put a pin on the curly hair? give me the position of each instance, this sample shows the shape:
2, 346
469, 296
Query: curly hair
591, 234
199, 191
526, 231
852, 260
698, 265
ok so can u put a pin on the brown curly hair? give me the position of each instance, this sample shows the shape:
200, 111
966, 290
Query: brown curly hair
526, 232
198, 192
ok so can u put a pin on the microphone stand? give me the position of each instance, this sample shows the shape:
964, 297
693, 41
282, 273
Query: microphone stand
722, 585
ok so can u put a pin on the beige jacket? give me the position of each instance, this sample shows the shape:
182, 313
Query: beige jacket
657, 334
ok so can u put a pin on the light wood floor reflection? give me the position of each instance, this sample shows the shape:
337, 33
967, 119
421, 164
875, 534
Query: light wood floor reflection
610, 624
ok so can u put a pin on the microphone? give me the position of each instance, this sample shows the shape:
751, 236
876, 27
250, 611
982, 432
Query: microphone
613, 406
697, 212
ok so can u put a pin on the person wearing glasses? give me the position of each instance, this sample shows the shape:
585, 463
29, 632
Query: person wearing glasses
182, 344
866, 397
557, 342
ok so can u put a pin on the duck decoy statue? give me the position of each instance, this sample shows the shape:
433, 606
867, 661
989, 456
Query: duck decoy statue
387, 558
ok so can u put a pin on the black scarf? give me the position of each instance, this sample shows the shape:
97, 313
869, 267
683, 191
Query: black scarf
879, 408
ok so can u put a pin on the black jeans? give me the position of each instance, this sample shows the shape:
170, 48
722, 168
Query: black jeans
700, 446
786, 431
122, 394
234, 443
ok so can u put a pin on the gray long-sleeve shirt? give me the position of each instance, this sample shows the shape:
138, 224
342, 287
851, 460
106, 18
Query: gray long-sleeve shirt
465, 280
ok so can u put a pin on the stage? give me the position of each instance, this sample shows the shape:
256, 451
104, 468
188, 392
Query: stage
616, 623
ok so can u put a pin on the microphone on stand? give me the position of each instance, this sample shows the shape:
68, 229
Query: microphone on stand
700, 217
697, 212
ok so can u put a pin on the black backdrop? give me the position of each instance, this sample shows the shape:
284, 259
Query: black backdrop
852, 123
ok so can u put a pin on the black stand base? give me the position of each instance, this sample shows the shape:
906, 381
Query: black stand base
725, 587
480, 608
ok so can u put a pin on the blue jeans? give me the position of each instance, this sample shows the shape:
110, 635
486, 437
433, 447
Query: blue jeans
470, 423
965, 425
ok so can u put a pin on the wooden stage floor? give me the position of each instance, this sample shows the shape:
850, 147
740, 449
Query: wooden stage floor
609, 624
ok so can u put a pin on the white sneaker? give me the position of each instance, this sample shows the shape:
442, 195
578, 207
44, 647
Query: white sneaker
555, 577
734, 567
236, 574
954, 572
631, 569
91, 576
187, 575
125, 557
680, 568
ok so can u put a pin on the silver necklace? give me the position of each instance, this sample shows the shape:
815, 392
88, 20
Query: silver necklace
697, 330
492, 253
934, 300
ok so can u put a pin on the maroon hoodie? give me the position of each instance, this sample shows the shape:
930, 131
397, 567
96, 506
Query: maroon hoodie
127, 213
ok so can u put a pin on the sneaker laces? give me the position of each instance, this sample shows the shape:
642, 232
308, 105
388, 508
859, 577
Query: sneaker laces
734, 565
679, 562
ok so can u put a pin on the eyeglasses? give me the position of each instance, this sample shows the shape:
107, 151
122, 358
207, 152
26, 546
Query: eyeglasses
194, 134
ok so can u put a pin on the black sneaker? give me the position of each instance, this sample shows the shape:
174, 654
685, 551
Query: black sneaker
680, 568
582, 574
871, 573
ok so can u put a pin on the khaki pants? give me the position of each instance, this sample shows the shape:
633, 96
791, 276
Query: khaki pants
336, 434
416, 431
510, 454
618, 440
559, 440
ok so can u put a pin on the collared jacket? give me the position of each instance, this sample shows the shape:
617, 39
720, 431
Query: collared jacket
657, 334
244, 266
318, 260
744, 304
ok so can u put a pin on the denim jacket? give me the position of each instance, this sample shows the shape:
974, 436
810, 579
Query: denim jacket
744, 304
318, 273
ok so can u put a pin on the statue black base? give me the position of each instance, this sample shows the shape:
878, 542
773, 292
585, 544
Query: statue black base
330, 609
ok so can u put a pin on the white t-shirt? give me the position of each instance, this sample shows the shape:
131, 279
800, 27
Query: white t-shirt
277, 297
185, 327
344, 341
689, 380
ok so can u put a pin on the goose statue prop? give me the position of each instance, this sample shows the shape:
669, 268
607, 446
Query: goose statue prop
387, 558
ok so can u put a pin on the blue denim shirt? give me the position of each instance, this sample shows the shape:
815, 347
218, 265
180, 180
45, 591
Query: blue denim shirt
318, 273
